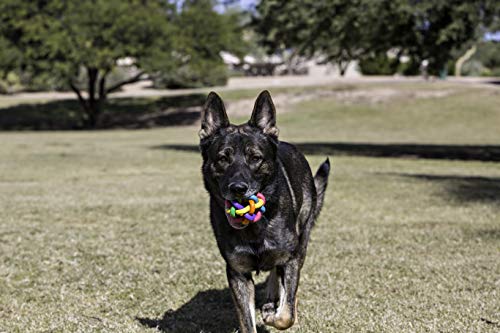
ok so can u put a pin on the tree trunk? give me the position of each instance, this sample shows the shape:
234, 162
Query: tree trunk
343, 65
463, 59
102, 89
94, 109
97, 93
81, 100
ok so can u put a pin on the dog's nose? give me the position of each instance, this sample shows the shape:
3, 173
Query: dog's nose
238, 188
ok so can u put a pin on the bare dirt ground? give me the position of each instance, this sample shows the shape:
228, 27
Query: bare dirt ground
344, 95
142, 89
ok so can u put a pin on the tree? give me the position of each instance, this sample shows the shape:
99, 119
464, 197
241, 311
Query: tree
484, 61
64, 38
9, 56
201, 34
69, 40
343, 30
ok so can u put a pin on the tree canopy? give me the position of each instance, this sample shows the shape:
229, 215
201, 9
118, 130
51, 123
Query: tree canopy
343, 30
200, 35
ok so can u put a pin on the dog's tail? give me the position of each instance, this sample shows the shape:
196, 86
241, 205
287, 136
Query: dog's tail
321, 182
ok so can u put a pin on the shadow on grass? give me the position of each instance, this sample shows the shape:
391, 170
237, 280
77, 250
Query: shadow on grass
118, 113
448, 152
208, 311
465, 188
488, 234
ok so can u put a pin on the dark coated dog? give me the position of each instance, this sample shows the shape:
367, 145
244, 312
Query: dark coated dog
240, 161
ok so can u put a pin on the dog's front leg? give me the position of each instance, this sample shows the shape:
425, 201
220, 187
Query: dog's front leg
288, 282
243, 291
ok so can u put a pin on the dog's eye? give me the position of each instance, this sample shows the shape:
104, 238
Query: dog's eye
223, 159
256, 158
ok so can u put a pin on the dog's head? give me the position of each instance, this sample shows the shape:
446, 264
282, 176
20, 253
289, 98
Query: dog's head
238, 160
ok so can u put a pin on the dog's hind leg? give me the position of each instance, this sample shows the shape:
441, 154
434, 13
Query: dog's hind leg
243, 292
286, 314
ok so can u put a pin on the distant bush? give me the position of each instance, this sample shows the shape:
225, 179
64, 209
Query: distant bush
193, 75
10, 84
378, 64
381, 64
43, 81
411, 67
474, 68
485, 62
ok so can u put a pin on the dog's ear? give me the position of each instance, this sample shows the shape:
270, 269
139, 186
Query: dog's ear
264, 115
213, 117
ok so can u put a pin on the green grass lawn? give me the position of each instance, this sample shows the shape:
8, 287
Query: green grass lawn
108, 231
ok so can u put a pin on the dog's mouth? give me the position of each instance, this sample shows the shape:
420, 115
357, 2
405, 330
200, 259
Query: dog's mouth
236, 222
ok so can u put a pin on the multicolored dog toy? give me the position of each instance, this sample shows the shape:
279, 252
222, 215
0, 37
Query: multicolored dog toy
250, 213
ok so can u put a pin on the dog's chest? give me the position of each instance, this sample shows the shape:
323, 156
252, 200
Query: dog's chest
259, 256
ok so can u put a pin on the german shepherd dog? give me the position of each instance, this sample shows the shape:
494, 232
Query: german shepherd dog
240, 161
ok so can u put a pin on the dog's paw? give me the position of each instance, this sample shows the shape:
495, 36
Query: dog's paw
281, 321
268, 312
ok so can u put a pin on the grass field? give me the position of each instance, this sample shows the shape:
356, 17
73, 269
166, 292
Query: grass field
108, 231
